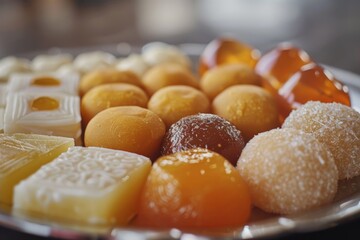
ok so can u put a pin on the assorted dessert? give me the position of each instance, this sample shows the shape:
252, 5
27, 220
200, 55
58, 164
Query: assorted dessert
160, 146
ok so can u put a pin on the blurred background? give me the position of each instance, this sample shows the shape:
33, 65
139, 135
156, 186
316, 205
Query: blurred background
329, 30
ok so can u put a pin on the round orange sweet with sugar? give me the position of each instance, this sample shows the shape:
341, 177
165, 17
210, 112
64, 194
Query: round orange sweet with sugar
128, 128
219, 78
175, 102
196, 188
168, 75
250, 108
109, 95
107, 75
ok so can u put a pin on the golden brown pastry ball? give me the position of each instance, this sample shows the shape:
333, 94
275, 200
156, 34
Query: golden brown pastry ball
167, 75
218, 79
250, 108
111, 95
337, 126
175, 102
107, 75
128, 128
288, 171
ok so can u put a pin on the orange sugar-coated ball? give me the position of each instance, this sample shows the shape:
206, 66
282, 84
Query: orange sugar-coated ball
111, 95
219, 78
107, 75
128, 128
337, 126
194, 189
250, 108
168, 75
175, 102
288, 171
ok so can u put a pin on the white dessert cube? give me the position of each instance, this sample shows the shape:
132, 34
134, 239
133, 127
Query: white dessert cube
45, 82
43, 113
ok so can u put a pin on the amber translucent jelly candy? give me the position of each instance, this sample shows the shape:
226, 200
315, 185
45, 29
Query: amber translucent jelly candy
226, 51
315, 83
194, 189
44, 104
281, 63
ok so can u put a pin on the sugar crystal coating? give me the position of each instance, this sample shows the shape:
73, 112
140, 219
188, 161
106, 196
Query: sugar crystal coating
205, 131
337, 126
288, 171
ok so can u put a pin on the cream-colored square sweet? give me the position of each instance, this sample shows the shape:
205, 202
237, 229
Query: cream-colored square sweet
45, 82
92, 185
23, 154
43, 113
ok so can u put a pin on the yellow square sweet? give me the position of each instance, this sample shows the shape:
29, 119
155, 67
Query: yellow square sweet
23, 154
92, 185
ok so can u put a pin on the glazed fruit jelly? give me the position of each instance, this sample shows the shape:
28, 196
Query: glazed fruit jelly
197, 188
314, 83
281, 63
226, 51
23, 154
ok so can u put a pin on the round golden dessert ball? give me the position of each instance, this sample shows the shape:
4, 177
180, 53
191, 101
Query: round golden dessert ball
337, 126
111, 95
288, 171
175, 102
107, 75
167, 75
128, 128
250, 108
218, 79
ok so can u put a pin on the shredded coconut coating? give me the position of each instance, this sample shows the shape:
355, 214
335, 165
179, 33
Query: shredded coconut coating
335, 125
288, 171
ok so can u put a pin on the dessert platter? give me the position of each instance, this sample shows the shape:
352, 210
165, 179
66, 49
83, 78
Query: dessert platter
173, 142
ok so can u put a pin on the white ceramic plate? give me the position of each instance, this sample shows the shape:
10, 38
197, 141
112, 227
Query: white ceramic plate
345, 206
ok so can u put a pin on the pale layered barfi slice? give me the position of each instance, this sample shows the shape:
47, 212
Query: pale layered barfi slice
23, 154
48, 114
92, 185
45, 82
